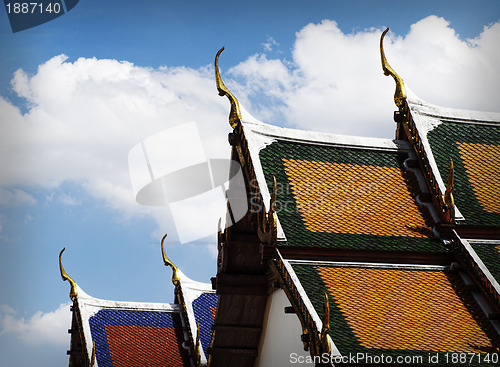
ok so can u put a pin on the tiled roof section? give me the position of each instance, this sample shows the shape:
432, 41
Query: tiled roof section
125, 338
352, 198
343, 197
398, 311
490, 256
475, 151
204, 312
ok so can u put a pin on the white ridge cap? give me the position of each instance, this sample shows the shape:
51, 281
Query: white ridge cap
452, 114
273, 133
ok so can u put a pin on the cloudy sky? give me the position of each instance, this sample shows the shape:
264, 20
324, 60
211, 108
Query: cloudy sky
77, 94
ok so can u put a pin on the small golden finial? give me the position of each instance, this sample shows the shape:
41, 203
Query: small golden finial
167, 262
447, 198
92, 359
65, 276
325, 329
267, 230
196, 352
399, 94
234, 115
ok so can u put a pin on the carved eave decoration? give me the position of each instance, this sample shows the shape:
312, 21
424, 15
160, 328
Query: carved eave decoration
447, 198
267, 229
325, 329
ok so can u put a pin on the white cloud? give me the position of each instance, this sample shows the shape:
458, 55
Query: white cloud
15, 197
85, 116
69, 200
40, 328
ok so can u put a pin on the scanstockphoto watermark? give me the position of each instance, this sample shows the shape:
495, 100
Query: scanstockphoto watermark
314, 187
319, 197
456, 359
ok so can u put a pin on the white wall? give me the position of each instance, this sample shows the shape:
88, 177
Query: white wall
280, 343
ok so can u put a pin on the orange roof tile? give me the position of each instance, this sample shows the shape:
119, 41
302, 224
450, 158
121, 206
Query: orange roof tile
405, 309
482, 165
353, 198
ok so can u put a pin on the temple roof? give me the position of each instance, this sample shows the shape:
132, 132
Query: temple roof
116, 333
341, 192
131, 333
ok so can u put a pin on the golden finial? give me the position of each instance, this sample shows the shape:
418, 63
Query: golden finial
167, 262
447, 198
399, 94
234, 115
92, 359
196, 351
65, 276
267, 230
325, 329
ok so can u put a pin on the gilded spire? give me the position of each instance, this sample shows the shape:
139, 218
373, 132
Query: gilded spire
196, 352
65, 276
234, 115
325, 329
92, 358
448, 200
167, 262
399, 94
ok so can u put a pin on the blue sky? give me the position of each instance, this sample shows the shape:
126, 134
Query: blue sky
132, 69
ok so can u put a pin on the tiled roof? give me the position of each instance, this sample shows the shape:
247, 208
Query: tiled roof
127, 338
346, 197
475, 151
398, 311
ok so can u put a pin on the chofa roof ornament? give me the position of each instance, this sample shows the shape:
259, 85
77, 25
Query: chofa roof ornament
399, 94
167, 262
65, 276
234, 115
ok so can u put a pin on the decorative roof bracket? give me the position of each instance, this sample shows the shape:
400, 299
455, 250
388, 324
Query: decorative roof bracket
399, 94
167, 262
235, 114
65, 276
447, 198
325, 329
196, 352
267, 229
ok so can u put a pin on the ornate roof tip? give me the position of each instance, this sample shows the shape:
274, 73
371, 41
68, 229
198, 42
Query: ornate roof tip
65, 276
167, 262
399, 94
234, 115
447, 198
325, 329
